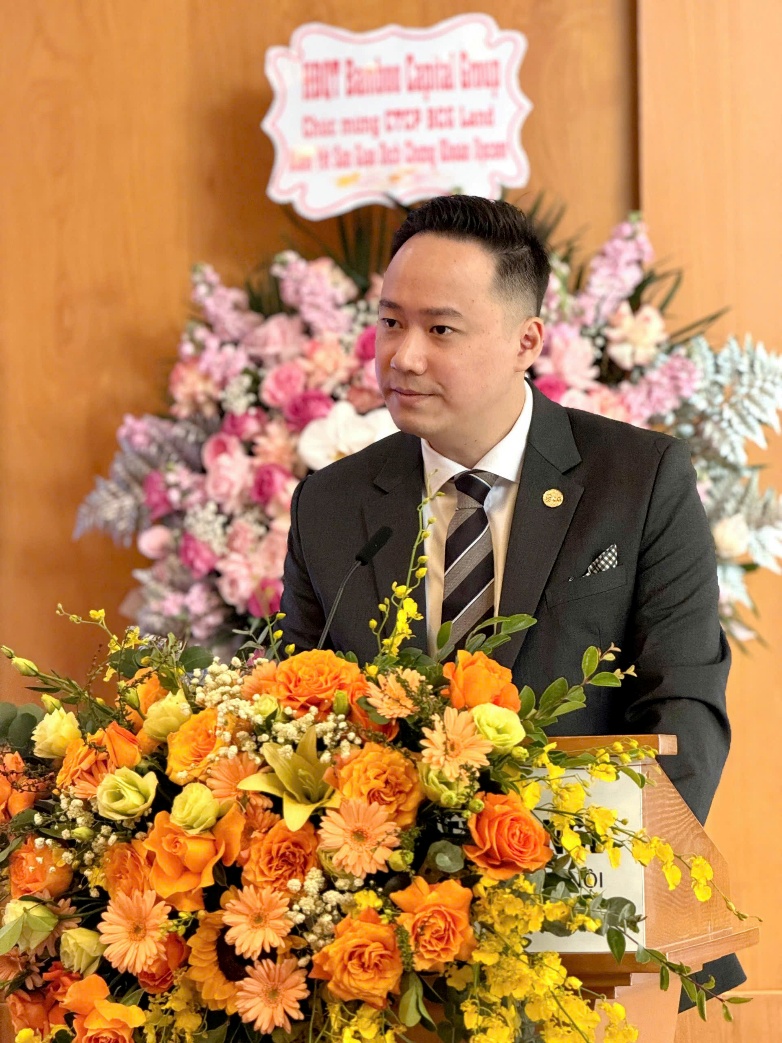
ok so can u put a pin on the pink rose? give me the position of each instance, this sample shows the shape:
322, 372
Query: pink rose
265, 599
269, 480
569, 356
244, 426
552, 387
155, 542
276, 445
305, 407
220, 445
156, 497
236, 582
269, 557
365, 345
192, 390
282, 384
196, 555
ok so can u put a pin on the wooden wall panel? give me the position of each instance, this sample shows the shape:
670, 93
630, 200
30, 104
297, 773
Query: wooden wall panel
131, 148
710, 173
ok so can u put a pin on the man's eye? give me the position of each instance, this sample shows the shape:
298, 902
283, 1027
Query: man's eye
388, 323
442, 331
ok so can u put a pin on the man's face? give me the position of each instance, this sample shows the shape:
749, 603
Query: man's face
452, 352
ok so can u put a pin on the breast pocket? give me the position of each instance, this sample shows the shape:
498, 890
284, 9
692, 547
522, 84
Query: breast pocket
586, 586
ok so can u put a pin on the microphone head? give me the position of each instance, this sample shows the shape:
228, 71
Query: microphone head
373, 545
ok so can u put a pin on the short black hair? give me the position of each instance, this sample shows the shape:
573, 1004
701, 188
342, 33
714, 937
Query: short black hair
523, 267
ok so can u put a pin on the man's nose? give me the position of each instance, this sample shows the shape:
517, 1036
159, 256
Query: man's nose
410, 354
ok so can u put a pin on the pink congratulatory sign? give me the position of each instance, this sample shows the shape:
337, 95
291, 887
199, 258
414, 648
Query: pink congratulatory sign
395, 113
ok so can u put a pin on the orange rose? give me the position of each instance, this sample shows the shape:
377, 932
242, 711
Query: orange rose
314, 678
148, 689
160, 976
35, 871
363, 962
58, 980
183, 862
190, 745
359, 716
381, 775
35, 1009
437, 918
98, 1020
508, 838
476, 679
17, 792
279, 855
126, 868
88, 762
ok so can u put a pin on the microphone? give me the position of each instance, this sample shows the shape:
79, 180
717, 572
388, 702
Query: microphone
375, 543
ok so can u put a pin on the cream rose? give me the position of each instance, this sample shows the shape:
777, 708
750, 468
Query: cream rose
167, 716
195, 809
53, 734
125, 794
500, 726
81, 950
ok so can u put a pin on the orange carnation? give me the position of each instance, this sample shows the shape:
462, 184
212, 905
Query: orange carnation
363, 962
160, 976
17, 792
262, 679
280, 855
190, 745
98, 1020
87, 762
183, 862
381, 775
314, 678
38, 871
437, 918
126, 868
508, 838
476, 679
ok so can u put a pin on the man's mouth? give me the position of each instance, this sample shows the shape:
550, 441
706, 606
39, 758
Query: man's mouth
409, 393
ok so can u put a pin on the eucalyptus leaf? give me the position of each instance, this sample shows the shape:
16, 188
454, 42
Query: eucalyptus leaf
590, 661
617, 943
700, 1002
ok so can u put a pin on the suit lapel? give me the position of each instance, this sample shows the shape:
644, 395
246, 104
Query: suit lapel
398, 489
537, 531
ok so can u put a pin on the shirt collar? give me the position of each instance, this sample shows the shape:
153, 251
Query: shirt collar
504, 459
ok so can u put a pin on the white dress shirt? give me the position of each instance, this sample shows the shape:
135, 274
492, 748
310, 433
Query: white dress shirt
504, 460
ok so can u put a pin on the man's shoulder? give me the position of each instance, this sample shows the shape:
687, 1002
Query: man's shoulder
595, 433
361, 468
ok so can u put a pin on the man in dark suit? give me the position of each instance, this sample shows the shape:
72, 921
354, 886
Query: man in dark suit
596, 527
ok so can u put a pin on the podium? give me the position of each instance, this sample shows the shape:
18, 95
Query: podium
676, 923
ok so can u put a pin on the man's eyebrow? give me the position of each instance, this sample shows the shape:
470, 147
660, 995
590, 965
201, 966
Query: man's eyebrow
438, 311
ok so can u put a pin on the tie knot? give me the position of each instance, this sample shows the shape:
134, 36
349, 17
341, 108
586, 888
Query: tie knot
473, 487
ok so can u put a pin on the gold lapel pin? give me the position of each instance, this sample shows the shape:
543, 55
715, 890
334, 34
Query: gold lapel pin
553, 498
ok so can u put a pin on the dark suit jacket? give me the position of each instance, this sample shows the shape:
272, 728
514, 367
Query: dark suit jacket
620, 485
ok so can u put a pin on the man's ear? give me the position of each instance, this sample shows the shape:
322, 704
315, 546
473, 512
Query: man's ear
530, 341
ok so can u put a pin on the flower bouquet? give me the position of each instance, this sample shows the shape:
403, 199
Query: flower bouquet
269, 385
290, 845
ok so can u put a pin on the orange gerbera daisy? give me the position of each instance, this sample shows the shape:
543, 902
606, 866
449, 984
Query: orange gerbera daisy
225, 774
269, 996
257, 919
390, 696
132, 930
454, 745
360, 837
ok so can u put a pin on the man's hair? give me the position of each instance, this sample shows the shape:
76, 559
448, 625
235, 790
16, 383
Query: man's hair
522, 265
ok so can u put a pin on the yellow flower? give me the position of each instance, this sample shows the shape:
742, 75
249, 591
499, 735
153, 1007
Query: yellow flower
603, 772
642, 850
614, 855
53, 734
570, 797
571, 842
601, 819
672, 874
460, 977
530, 794
556, 912
367, 900
589, 923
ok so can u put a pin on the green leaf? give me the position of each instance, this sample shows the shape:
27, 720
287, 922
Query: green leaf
216, 1035
700, 1002
527, 699
9, 850
195, 658
20, 732
590, 661
605, 679
616, 943
132, 998
642, 955
10, 935
371, 712
448, 857
8, 712
690, 988
554, 694
665, 978
726, 1013
409, 1004
738, 999
444, 634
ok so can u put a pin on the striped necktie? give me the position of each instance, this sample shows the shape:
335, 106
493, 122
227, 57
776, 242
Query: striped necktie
468, 581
